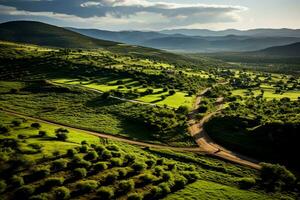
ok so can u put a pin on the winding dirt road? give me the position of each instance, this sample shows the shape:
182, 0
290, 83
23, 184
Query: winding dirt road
207, 145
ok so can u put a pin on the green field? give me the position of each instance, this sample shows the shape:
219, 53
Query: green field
269, 94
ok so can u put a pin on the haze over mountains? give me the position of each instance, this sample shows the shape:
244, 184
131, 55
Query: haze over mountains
48, 35
202, 40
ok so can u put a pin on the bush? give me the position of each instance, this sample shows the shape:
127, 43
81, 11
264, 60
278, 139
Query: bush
171, 166
126, 186
246, 183
106, 155
61, 193
111, 177
99, 149
61, 136
150, 163
80, 163
277, 177
87, 185
191, 176
61, 130
99, 166
137, 167
105, 193
92, 155
80, 172
24, 192
71, 153
202, 109
158, 170
160, 161
55, 181
123, 172
2, 186
129, 158
154, 193
147, 178
116, 154
165, 189
183, 110
17, 181
4, 129
59, 164
40, 173
16, 122
113, 148
172, 92
179, 183
83, 148
116, 162
42, 133
35, 125
135, 196
166, 176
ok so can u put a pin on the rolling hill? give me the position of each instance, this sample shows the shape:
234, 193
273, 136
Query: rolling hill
47, 35
38, 33
291, 50
234, 40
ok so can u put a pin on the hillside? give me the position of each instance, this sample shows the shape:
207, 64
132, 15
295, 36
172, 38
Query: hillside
292, 50
38, 33
47, 35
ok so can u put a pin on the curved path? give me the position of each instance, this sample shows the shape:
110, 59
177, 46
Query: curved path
103, 135
207, 145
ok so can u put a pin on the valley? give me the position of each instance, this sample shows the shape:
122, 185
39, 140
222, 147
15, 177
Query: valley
83, 118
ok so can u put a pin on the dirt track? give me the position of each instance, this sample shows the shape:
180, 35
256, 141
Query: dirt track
207, 145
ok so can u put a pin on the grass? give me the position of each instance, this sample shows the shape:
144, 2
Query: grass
174, 101
215, 191
269, 93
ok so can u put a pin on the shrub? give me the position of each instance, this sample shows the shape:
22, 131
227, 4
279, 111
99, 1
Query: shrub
17, 181
246, 183
61, 130
116, 154
179, 183
171, 166
42, 133
158, 170
191, 176
40, 173
61, 136
84, 142
4, 129
35, 125
117, 162
16, 122
99, 166
61, 193
202, 109
123, 172
111, 177
150, 163
87, 185
71, 153
99, 149
154, 192
24, 192
146, 178
2, 186
106, 155
126, 186
55, 181
277, 177
166, 176
172, 92
92, 155
135, 196
113, 148
83, 148
137, 167
59, 164
80, 163
183, 110
160, 161
105, 193
129, 158
165, 189
80, 172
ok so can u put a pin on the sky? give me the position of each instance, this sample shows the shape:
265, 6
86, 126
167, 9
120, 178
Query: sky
156, 14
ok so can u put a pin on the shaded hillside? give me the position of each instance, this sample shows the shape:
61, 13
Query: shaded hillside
292, 50
47, 35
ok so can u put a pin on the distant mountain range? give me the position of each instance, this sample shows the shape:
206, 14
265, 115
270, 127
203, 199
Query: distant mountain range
216, 41
252, 32
291, 50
